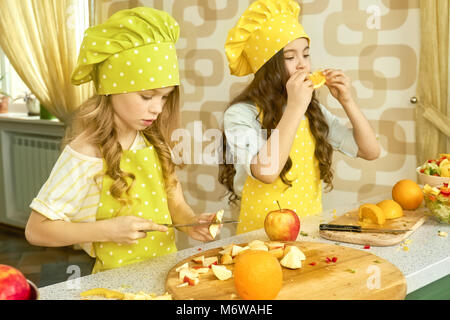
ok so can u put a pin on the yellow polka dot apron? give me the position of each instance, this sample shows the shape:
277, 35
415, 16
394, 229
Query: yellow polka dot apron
149, 201
305, 195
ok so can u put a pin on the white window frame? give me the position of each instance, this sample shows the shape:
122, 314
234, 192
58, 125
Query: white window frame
5, 84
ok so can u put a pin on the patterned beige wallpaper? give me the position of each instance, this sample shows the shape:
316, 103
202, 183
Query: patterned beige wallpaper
376, 42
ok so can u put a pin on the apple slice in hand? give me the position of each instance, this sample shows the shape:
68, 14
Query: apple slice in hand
214, 227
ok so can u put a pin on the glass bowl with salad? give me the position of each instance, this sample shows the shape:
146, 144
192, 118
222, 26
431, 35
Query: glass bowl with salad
437, 200
435, 172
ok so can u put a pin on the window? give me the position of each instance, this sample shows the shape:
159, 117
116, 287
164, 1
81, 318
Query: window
12, 84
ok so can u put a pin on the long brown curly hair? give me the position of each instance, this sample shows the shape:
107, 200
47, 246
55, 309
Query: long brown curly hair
95, 120
268, 92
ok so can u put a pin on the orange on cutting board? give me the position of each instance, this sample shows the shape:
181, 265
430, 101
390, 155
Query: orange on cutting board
257, 275
318, 79
391, 209
371, 213
407, 194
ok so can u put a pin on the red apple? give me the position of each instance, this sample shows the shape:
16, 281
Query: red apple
282, 225
13, 284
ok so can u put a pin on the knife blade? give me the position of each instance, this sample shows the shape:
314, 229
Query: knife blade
198, 224
350, 228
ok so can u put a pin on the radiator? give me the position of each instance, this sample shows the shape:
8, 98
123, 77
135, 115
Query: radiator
31, 158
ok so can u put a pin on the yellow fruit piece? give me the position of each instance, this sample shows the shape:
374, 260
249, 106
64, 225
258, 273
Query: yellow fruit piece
445, 172
445, 168
371, 213
447, 155
318, 79
431, 190
391, 209
107, 293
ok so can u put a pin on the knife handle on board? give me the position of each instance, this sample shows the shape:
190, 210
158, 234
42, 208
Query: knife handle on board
337, 227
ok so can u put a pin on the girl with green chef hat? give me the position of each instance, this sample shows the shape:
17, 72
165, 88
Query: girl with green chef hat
114, 184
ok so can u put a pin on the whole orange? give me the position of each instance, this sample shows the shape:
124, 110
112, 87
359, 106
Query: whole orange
257, 275
407, 194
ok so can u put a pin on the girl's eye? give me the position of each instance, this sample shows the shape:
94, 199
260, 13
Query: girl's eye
146, 98
306, 56
289, 58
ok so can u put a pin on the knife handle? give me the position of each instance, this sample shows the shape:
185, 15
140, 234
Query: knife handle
338, 227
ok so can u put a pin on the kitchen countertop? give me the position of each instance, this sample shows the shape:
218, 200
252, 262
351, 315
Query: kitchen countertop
426, 261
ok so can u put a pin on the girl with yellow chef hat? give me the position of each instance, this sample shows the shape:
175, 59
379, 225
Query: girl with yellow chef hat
114, 184
278, 138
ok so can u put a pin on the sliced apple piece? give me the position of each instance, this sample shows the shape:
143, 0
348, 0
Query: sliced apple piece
296, 250
214, 227
274, 245
190, 273
183, 266
238, 249
191, 281
226, 259
221, 272
199, 259
209, 261
291, 260
261, 248
202, 270
278, 252
256, 243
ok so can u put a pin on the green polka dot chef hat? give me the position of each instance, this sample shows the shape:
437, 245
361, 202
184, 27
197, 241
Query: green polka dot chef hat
134, 50
265, 28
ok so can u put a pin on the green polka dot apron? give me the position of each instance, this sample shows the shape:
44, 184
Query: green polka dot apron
305, 195
149, 201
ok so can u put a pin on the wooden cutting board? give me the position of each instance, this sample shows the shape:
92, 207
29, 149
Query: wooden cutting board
410, 220
373, 277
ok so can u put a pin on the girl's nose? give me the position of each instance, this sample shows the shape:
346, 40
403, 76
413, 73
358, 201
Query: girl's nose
301, 65
157, 106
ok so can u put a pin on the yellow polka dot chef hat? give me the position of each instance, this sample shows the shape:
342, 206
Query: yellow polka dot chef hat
134, 50
265, 28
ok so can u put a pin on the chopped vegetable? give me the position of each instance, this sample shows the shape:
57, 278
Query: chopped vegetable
366, 246
312, 264
351, 270
328, 260
442, 234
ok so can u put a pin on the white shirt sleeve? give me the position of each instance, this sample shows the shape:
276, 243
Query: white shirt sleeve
244, 135
69, 186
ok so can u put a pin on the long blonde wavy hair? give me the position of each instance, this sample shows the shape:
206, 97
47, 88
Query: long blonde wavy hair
95, 119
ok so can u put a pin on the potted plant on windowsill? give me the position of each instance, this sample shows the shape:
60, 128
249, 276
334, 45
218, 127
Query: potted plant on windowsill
4, 99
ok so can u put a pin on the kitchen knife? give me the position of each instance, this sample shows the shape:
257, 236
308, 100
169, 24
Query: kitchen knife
349, 228
198, 224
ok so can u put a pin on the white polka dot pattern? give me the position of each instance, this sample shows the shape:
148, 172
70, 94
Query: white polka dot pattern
148, 201
304, 197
